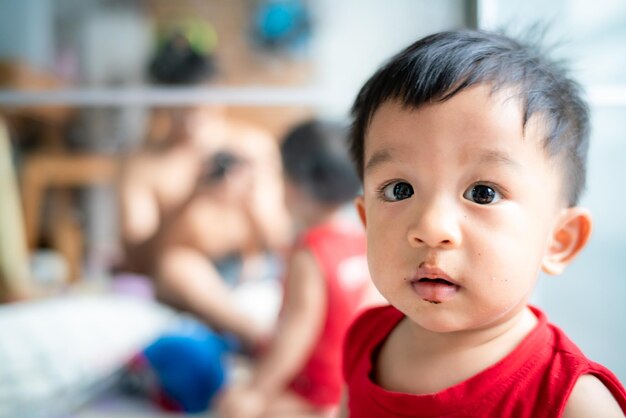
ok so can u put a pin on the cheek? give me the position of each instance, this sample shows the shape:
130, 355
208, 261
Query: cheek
513, 233
508, 265
384, 232
385, 252
377, 255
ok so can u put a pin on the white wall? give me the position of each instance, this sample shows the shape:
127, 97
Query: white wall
588, 300
353, 37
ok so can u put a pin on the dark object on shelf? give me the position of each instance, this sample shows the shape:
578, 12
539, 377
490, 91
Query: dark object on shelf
184, 55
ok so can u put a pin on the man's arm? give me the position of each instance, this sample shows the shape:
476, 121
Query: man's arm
300, 325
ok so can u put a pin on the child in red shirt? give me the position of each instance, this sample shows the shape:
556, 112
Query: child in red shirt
471, 148
327, 281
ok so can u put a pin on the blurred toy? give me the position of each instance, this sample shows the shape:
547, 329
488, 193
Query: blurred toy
282, 25
182, 370
184, 54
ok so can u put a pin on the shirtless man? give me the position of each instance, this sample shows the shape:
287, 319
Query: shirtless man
211, 192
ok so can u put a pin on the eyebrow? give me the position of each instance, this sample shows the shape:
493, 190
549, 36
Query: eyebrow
485, 156
378, 158
498, 157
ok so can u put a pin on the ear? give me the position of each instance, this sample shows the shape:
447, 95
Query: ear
359, 204
569, 237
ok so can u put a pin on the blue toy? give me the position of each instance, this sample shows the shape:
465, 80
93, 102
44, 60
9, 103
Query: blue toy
189, 368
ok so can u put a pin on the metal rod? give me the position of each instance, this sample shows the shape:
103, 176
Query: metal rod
601, 96
247, 96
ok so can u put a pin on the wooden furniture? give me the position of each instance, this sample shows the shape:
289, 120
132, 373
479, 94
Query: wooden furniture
52, 172
56, 174
49, 120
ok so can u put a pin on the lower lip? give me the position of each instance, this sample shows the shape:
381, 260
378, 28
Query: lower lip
435, 292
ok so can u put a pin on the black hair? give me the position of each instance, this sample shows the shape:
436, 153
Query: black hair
315, 156
441, 65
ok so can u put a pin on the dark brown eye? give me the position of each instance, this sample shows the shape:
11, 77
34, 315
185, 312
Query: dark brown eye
482, 194
397, 191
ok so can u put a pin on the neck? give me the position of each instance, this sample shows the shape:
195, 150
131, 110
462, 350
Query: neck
318, 216
446, 359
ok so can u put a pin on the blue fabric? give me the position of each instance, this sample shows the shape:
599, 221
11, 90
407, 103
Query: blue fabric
190, 365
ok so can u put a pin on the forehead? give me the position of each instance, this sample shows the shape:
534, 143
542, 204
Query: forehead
475, 117
475, 107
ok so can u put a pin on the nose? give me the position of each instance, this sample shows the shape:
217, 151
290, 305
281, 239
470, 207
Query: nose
435, 225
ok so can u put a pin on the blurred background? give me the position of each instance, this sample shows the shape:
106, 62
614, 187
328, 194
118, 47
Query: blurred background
77, 92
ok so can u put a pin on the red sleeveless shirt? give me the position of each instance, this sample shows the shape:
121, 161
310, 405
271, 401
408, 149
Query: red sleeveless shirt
535, 380
340, 251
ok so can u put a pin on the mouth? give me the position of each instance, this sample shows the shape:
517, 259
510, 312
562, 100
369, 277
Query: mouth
434, 286
436, 280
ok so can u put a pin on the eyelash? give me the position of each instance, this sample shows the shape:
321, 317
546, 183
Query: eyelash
494, 186
380, 191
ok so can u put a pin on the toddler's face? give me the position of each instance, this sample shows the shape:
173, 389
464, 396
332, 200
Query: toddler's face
459, 204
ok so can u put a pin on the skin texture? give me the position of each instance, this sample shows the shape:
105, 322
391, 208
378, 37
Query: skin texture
461, 190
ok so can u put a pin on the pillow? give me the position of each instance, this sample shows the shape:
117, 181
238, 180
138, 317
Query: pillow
57, 354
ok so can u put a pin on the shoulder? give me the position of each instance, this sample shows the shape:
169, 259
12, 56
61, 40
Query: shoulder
590, 397
152, 166
251, 140
591, 388
314, 239
136, 164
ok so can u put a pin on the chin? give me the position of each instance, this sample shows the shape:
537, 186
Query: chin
436, 318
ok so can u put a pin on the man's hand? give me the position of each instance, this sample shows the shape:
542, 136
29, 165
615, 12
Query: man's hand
227, 177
